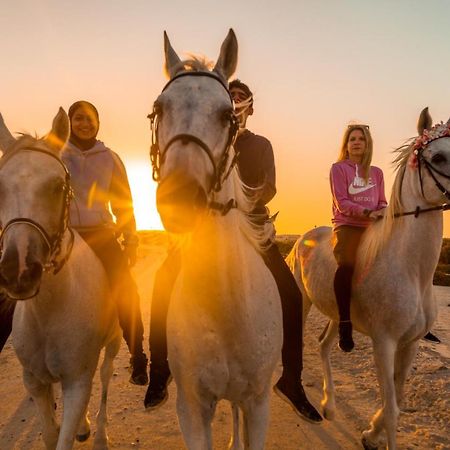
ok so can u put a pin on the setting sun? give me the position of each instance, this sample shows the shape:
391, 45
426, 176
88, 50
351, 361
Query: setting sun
143, 189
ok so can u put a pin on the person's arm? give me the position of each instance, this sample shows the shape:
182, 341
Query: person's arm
341, 200
122, 207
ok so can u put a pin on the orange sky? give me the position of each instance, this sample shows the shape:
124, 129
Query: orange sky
313, 67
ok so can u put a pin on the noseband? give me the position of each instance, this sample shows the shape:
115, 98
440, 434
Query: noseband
52, 242
157, 155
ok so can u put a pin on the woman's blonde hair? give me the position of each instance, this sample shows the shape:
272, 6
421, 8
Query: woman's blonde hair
367, 157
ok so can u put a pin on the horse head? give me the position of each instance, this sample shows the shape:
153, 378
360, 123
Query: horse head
34, 192
193, 127
431, 158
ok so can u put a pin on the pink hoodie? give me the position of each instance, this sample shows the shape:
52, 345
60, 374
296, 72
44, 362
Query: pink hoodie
351, 195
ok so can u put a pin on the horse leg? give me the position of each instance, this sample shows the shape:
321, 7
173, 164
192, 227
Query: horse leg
404, 358
256, 418
44, 400
76, 399
386, 417
328, 402
106, 372
235, 441
195, 415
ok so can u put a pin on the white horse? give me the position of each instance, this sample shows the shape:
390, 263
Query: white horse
392, 296
224, 322
64, 315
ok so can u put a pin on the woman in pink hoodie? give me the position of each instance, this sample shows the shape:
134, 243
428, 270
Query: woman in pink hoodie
358, 199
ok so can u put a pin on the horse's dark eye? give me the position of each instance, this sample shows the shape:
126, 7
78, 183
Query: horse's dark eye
438, 158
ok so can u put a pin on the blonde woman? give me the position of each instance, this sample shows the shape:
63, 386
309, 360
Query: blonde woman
358, 199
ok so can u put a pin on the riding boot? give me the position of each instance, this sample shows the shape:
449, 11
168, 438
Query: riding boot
342, 290
160, 376
289, 386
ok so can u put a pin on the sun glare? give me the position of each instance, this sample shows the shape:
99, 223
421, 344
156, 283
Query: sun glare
143, 189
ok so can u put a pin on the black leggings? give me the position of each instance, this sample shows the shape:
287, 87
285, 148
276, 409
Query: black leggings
291, 303
124, 289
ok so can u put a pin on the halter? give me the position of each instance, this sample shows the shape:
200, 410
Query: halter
52, 242
220, 174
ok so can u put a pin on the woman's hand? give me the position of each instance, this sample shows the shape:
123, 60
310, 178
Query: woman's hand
375, 215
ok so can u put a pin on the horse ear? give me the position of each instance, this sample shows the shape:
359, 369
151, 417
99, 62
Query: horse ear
227, 60
172, 60
6, 138
425, 121
60, 131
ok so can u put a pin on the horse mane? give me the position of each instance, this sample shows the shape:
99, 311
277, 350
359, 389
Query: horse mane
379, 232
246, 196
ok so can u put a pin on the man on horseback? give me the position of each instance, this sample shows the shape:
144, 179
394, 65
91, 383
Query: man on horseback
257, 169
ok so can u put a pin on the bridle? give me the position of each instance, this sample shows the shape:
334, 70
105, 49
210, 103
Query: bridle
53, 242
432, 171
220, 172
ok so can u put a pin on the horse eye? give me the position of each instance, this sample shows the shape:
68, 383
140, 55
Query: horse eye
157, 108
438, 158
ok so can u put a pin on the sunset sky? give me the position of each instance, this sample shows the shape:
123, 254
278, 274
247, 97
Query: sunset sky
314, 66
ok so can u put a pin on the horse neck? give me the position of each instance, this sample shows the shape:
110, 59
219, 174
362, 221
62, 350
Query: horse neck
420, 238
218, 253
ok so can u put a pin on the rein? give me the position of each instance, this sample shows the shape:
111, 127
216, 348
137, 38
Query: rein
53, 243
420, 210
220, 174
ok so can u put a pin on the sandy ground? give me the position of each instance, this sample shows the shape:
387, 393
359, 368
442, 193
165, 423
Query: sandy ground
424, 421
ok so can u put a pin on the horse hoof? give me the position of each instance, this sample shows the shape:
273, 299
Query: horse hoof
83, 437
368, 445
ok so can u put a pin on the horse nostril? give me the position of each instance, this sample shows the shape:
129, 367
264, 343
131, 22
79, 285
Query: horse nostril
35, 270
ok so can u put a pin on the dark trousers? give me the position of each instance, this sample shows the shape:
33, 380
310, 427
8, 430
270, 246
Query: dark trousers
123, 288
6, 317
346, 243
291, 303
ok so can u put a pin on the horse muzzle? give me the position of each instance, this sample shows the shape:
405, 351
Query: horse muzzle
19, 284
181, 203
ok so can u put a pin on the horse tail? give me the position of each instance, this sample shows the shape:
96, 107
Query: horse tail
292, 260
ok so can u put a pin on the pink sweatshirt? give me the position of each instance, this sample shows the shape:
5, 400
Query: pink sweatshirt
351, 195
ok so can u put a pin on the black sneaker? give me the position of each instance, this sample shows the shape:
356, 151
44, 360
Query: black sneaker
157, 394
432, 338
138, 370
346, 343
294, 394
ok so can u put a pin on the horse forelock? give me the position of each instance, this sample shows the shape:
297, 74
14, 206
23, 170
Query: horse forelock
25, 142
194, 64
